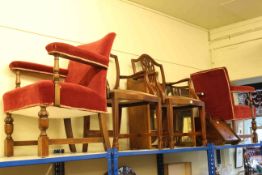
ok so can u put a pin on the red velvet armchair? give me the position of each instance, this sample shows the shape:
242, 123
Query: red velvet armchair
217, 93
83, 92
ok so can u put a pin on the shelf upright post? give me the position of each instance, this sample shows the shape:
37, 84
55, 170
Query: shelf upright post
160, 164
115, 161
109, 161
261, 147
211, 159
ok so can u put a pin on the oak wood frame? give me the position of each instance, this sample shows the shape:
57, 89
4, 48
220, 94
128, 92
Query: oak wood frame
174, 102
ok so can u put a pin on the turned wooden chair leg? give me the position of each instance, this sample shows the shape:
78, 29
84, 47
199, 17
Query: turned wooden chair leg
115, 114
104, 131
43, 123
69, 133
9, 142
202, 115
253, 122
120, 117
254, 128
165, 136
86, 128
170, 124
159, 124
193, 128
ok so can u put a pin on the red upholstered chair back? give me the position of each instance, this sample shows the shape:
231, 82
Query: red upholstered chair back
91, 76
214, 83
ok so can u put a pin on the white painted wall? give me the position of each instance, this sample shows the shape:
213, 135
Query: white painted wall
27, 26
239, 48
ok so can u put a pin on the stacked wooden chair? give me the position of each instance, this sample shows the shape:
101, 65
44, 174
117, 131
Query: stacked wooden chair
171, 103
121, 98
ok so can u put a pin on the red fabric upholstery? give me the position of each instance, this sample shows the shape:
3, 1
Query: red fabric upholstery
218, 98
33, 67
84, 87
42, 92
96, 52
242, 88
243, 112
37, 93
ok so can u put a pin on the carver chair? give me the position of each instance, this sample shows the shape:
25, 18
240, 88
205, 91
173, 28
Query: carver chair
217, 93
117, 99
172, 103
83, 92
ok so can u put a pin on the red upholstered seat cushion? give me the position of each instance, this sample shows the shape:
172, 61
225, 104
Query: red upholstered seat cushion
42, 92
242, 112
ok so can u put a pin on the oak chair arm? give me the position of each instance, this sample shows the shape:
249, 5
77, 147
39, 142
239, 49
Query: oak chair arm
177, 82
137, 75
174, 89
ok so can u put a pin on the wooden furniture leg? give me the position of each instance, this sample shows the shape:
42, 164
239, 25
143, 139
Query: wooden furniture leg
86, 128
159, 124
43, 138
253, 122
104, 130
254, 128
193, 128
203, 124
9, 142
69, 133
170, 120
115, 114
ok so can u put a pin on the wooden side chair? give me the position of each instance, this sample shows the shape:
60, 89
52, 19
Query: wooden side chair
171, 103
122, 98
217, 93
117, 99
82, 92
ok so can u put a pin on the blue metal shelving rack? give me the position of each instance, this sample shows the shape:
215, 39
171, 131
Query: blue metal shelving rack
210, 149
11, 162
112, 156
117, 154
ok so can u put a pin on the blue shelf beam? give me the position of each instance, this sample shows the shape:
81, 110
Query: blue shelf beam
112, 156
163, 151
238, 146
47, 160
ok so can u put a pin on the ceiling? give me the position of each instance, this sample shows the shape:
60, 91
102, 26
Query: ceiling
208, 14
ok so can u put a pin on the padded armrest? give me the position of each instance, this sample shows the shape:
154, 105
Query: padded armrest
242, 89
35, 68
76, 53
